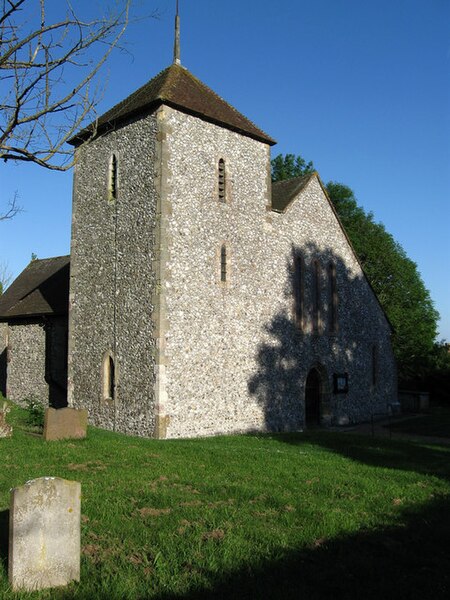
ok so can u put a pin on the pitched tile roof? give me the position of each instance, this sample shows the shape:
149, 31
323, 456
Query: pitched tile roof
283, 192
41, 289
178, 88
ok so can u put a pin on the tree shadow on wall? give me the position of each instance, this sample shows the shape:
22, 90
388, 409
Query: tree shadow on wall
303, 334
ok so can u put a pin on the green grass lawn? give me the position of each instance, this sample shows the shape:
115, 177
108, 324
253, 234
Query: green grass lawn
436, 423
321, 515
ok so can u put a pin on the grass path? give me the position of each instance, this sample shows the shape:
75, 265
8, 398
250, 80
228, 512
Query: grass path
273, 516
434, 424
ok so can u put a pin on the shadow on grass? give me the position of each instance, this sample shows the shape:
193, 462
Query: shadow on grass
405, 562
410, 561
4, 539
380, 452
436, 423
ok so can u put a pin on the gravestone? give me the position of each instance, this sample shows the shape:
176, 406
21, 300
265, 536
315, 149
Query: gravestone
44, 534
65, 423
5, 429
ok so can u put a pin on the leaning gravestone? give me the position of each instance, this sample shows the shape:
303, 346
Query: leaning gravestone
5, 429
44, 534
65, 423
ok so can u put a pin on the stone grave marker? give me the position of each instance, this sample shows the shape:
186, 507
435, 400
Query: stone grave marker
44, 534
65, 423
5, 429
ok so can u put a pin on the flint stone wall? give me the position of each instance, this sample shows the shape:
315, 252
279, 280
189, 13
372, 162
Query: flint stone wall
26, 362
112, 279
194, 356
211, 329
37, 361
310, 227
232, 355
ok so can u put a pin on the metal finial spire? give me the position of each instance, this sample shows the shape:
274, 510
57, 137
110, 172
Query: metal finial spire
176, 46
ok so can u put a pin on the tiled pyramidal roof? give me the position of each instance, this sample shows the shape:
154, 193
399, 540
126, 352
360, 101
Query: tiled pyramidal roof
178, 88
41, 289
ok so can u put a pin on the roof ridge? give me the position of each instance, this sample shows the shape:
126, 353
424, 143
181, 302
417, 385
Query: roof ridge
297, 177
34, 260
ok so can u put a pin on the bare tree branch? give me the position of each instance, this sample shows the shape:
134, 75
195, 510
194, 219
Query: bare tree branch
12, 209
39, 111
5, 276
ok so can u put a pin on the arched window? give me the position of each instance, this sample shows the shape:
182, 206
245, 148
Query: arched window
112, 178
332, 300
299, 290
222, 181
109, 377
316, 297
223, 264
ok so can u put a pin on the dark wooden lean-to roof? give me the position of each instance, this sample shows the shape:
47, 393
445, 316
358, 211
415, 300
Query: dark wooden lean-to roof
178, 88
41, 289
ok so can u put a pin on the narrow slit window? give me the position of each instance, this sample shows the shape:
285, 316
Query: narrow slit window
112, 180
333, 299
316, 296
223, 263
298, 284
222, 181
109, 377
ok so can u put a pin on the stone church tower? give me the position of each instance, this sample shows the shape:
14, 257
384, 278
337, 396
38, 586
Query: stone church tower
173, 179
202, 300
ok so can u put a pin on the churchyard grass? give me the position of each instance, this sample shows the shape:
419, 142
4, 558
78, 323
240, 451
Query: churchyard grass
317, 515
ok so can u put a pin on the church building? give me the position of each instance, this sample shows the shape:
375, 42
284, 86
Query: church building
202, 298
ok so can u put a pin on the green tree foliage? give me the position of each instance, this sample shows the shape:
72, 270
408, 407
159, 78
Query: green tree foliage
441, 357
437, 381
288, 166
393, 276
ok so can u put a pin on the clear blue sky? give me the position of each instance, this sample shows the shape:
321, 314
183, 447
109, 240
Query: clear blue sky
361, 88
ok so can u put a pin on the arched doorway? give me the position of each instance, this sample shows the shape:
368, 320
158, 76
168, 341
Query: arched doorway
313, 390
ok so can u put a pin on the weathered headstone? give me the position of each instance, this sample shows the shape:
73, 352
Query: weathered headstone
5, 429
44, 534
65, 423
